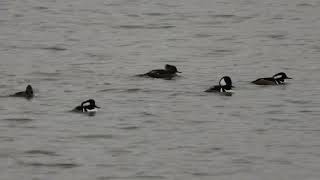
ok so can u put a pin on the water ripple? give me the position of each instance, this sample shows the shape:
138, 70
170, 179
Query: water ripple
41, 152
149, 26
54, 48
97, 136
52, 165
155, 14
129, 128
18, 119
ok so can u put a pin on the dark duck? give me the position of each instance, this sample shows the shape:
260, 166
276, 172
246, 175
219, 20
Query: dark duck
276, 79
168, 72
225, 86
87, 106
28, 93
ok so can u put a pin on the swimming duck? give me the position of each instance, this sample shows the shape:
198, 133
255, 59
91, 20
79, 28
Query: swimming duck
168, 72
225, 85
28, 93
87, 106
276, 79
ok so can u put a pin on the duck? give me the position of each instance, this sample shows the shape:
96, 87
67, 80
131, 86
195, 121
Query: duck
87, 106
225, 85
168, 72
277, 79
28, 93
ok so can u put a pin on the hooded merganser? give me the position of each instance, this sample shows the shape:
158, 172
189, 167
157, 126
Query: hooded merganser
168, 72
276, 79
28, 93
91, 107
225, 85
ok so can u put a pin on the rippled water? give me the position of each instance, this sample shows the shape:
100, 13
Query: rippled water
72, 50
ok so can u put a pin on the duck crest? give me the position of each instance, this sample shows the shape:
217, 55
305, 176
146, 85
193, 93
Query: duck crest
87, 106
29, 91
225, 85
280, 77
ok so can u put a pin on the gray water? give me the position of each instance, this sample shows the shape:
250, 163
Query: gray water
73, 50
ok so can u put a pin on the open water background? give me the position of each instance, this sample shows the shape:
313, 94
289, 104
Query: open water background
72, 50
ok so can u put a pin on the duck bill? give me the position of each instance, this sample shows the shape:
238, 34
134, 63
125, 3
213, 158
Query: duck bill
288, 78
179, 72
97, 107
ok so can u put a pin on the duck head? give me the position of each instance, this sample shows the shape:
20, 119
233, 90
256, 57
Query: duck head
91, 102
171, 68
280, 77
29, 91
225, 83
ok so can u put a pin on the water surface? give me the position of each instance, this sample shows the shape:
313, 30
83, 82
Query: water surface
73, 50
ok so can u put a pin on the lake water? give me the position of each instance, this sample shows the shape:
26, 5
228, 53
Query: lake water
73, 50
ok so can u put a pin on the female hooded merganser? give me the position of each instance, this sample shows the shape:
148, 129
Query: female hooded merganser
168, 72
276, 79
225, 85
84, 107
28, 93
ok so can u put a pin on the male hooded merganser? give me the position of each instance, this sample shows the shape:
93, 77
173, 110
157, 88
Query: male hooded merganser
84, 107
276, 79
225, 85
28, 93
168, 72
